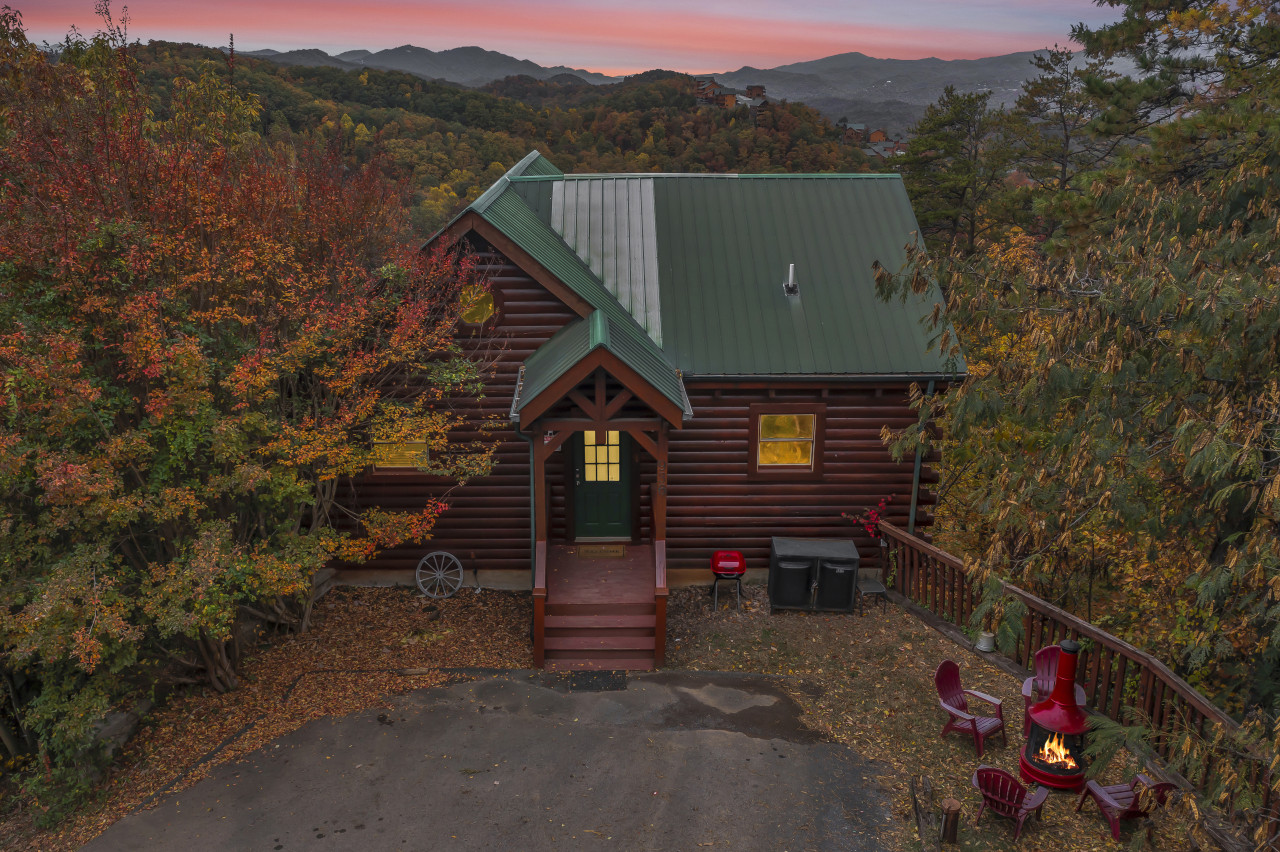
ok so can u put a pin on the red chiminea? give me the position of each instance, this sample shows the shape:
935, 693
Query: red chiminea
1054, 752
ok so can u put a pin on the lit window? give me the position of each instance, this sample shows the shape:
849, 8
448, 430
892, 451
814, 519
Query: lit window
392, 454
786, 440
601, 460
481, 310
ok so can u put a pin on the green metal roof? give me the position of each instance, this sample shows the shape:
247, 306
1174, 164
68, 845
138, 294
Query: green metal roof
693, 266
578, 339
725, 245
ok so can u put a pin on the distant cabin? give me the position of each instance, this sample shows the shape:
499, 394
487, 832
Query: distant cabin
690, 363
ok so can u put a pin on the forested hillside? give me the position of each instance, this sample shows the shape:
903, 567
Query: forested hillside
449, 143
1109, 249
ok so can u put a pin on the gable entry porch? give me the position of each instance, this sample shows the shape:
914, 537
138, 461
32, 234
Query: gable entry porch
595, 399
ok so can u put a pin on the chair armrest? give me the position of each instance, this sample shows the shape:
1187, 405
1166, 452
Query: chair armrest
959, 714
1036, 799
1105, 799
984, 697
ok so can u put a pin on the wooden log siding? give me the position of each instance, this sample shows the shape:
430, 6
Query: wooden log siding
487, 523
713, 505
1117, 677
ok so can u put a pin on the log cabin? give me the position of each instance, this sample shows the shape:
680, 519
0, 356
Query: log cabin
689, 363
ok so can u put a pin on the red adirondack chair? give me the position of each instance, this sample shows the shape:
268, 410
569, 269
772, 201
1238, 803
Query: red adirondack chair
952, 697
1005, 796
1126, 801
1038, 686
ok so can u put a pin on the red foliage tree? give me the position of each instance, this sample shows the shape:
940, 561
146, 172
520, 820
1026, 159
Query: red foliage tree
200, 336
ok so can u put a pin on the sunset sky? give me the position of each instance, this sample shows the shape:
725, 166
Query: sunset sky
612, 36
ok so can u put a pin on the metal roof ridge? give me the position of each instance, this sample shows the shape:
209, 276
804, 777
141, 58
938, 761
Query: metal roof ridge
500, 185
712, 175
490, 195
701, 176
599, 331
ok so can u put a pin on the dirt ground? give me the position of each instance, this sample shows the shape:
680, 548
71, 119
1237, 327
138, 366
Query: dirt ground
868, 682
862, 681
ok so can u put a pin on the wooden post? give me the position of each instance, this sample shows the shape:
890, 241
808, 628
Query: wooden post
950, 820
540, 453
660, 488
922, 804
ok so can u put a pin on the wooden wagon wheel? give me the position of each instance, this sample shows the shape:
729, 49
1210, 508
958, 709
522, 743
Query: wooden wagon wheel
439, 574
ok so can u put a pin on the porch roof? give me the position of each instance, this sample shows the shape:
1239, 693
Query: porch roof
572, 344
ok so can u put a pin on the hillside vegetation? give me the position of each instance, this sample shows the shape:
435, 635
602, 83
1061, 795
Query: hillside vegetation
1115, 448
449, 143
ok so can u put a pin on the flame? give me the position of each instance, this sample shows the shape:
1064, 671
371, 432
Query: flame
1055, 753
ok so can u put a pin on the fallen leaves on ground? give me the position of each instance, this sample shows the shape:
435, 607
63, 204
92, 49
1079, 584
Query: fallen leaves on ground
360, 639
868, 682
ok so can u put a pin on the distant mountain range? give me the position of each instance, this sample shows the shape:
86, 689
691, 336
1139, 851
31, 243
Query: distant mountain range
467, 66
888, 93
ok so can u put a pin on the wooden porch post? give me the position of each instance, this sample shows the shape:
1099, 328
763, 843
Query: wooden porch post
539, 474
660, 552
660, 488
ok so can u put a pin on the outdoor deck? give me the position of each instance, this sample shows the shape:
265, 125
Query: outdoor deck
572, 578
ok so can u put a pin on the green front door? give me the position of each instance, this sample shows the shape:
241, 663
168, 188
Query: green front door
602, 486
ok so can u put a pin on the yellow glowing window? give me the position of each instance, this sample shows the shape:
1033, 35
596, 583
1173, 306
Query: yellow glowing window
393, 454
786, 439
601, 460
480, 311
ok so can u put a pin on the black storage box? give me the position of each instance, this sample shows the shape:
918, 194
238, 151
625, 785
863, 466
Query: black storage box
813, 574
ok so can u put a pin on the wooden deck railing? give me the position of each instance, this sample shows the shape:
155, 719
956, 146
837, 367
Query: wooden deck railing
1117, 677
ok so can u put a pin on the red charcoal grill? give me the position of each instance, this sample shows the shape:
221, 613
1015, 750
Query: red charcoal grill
1054, 752
727, 565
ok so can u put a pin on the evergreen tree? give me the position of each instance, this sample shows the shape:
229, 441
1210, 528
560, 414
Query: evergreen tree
956, 163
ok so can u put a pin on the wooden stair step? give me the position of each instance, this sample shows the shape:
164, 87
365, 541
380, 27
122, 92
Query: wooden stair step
598, 643
595, 619
598, 664
601, 609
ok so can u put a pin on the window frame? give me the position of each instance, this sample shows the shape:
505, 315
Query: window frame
755, 470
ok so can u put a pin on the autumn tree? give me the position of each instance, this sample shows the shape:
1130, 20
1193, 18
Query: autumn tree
200, 335
1120, 441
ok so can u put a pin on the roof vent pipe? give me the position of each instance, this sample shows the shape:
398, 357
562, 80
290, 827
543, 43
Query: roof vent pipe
790, 287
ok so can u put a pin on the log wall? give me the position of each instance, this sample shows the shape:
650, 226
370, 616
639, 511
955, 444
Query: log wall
713, 505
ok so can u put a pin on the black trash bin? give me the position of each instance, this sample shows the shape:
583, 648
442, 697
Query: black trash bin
837, 579
813, 573
792, 583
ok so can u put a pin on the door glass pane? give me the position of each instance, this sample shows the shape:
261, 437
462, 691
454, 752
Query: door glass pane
602, 462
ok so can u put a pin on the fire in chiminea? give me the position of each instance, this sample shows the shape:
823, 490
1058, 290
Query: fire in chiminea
1054, 752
